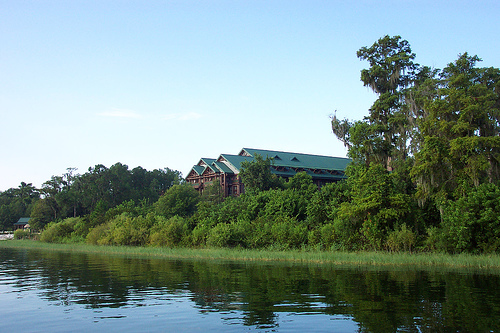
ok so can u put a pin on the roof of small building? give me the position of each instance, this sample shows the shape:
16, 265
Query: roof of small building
23, 221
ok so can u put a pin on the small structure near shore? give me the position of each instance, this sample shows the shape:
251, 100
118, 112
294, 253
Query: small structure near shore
22, 223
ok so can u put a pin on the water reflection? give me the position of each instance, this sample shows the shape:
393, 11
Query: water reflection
260, 295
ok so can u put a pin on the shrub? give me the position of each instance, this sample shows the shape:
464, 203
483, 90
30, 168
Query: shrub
178, 200
199, 235
219, 236
169, 232
322, 237
98, 235
347, 234
285, 203
21, 234
401, 239
64, 231
472, 223
260, 234
288, 233
127, 230
434, 240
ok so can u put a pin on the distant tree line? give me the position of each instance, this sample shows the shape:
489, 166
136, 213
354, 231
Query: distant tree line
75, 195
424, 177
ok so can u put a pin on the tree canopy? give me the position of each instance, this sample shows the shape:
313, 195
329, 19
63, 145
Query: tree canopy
425, 176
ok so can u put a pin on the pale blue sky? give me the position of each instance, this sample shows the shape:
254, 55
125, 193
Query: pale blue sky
162, 83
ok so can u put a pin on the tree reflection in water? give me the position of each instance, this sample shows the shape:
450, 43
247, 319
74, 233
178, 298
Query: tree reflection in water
257, 293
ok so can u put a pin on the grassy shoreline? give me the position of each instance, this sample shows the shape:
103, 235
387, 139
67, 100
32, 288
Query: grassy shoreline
380, 259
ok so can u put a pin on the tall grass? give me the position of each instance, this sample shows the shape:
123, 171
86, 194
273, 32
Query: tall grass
379, 259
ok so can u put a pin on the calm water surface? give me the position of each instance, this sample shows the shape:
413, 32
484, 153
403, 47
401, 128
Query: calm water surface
43, 291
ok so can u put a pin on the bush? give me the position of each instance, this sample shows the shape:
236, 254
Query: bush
199, 235
127, 230
219, 236
435, 240
21, 234
402, 239
347, 235
98, 235
260, 234
322, 237
169, 232
288, 233
178, 200
472, 223
62, 232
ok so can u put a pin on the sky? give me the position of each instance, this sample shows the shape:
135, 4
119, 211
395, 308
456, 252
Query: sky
161, 84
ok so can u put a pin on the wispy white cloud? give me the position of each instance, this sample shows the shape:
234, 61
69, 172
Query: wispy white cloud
120, 113
183, 116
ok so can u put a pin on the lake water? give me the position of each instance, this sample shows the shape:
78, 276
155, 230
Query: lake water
43, 291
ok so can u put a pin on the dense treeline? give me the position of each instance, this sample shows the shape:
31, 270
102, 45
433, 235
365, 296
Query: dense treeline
427, 157
424, 176
75, 195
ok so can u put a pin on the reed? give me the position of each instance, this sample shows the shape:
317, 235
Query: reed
409, 260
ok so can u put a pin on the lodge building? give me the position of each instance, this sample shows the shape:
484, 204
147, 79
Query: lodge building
226, 168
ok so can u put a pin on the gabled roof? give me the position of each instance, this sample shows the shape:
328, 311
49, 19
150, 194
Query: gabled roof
206, 161
222, 167
23, 221
235, 161
198, 169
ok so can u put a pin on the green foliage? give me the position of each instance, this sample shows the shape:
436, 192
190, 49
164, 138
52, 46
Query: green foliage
98, 234
391, 60
324, 204
374, 209
16, 203
426, 168
322, 237
288, 233
472, 223
220, 236
213, 193
285, 203
98, 215
169, 233
458, 126
401, 239
366, 144
67, 231
257, 176
43, 212
128, 207
21, 234
127, 230
199, 235
178, 200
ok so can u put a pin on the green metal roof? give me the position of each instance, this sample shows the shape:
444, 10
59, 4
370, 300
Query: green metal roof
22, 221
236, 160
207, 161
298, 160
222, 167
212, 167
285, 164
198, 169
